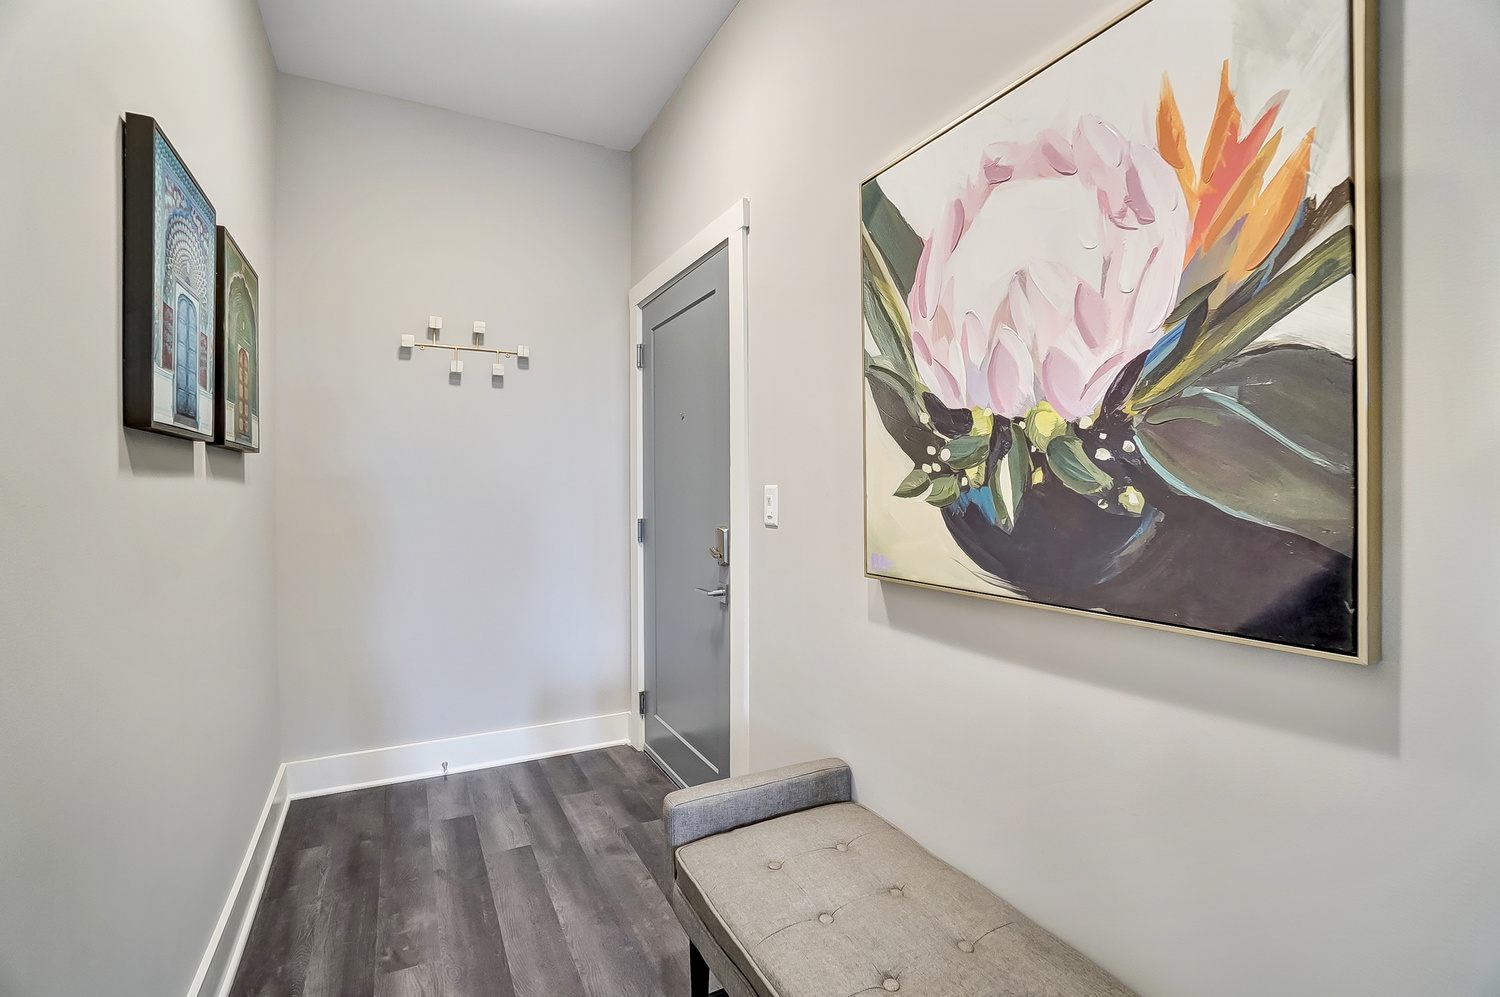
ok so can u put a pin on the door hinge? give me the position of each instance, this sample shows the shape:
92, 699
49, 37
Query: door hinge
643, 704
640, 531
640, 356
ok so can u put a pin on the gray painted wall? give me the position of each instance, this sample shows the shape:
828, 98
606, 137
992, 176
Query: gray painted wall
138, 727
451, 559
1203, 818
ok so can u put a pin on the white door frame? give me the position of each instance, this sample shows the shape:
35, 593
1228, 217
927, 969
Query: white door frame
733, 227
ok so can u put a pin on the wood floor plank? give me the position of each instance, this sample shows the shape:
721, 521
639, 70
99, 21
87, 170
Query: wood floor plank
614, 788
650, 843
608, 957
309, 822
494, 803
280, 942
448, 797
406, 922
650, 781
472, 961
631, 889
413, 981
565, 775
540, 963
342, 963
551, 885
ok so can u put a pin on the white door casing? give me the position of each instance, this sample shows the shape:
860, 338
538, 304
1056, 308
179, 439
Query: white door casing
733, 228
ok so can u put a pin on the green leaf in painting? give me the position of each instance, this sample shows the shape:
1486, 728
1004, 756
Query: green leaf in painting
880, 370
1075, 468
894, 405
1319, 270
885, 309
966, 451
899, 246
882, 326
913, 484
1012, 474
944, 491
1209, 444
1302, 394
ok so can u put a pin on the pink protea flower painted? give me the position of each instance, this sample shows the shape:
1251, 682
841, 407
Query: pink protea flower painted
1053, 268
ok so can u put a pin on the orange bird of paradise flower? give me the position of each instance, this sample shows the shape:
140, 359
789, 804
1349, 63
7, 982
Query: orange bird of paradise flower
1238, 219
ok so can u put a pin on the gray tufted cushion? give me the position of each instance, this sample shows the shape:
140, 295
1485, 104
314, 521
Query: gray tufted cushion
835, 901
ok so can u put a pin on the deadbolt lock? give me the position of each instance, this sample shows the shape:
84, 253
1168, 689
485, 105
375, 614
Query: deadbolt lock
720, 551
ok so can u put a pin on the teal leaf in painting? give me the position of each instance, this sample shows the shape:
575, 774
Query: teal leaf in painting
1301, 393
1261, 438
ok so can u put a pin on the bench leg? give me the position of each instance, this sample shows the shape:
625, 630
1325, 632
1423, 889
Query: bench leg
698, 974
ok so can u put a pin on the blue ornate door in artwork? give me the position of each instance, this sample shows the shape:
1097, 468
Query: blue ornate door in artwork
186, 404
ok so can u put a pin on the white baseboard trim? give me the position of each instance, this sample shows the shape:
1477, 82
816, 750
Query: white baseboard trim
423, 760
216, 970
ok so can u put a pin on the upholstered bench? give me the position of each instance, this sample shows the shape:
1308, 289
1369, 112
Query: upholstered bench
787, 888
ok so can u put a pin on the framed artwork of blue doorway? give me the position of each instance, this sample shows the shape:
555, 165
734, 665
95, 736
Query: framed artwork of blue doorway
168, 307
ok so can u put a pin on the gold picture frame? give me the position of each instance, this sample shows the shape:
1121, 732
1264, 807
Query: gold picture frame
1347, 555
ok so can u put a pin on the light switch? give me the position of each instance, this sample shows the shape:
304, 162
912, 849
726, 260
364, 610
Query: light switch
434, 321
407, 342
773, 507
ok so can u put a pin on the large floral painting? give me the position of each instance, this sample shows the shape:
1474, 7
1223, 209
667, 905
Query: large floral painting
1118, 352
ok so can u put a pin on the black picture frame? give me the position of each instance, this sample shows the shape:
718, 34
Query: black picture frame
169, 347
237, 343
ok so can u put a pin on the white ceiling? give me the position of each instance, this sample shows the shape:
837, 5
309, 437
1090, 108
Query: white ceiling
595, 70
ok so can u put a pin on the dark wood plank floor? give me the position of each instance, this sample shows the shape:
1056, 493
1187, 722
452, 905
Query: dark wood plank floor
542, 879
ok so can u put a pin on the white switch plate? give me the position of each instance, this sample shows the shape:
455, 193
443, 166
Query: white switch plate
773, 506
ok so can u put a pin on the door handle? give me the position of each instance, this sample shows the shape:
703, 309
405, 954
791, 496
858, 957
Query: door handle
721, 593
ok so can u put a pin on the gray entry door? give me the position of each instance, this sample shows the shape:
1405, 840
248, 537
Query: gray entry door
686, 335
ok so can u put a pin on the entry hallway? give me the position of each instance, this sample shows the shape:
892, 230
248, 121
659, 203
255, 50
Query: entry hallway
539, 879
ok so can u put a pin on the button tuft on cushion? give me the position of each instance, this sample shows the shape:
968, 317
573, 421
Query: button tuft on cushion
966, 946
826, 918
773, 866
842, 847
891, 984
